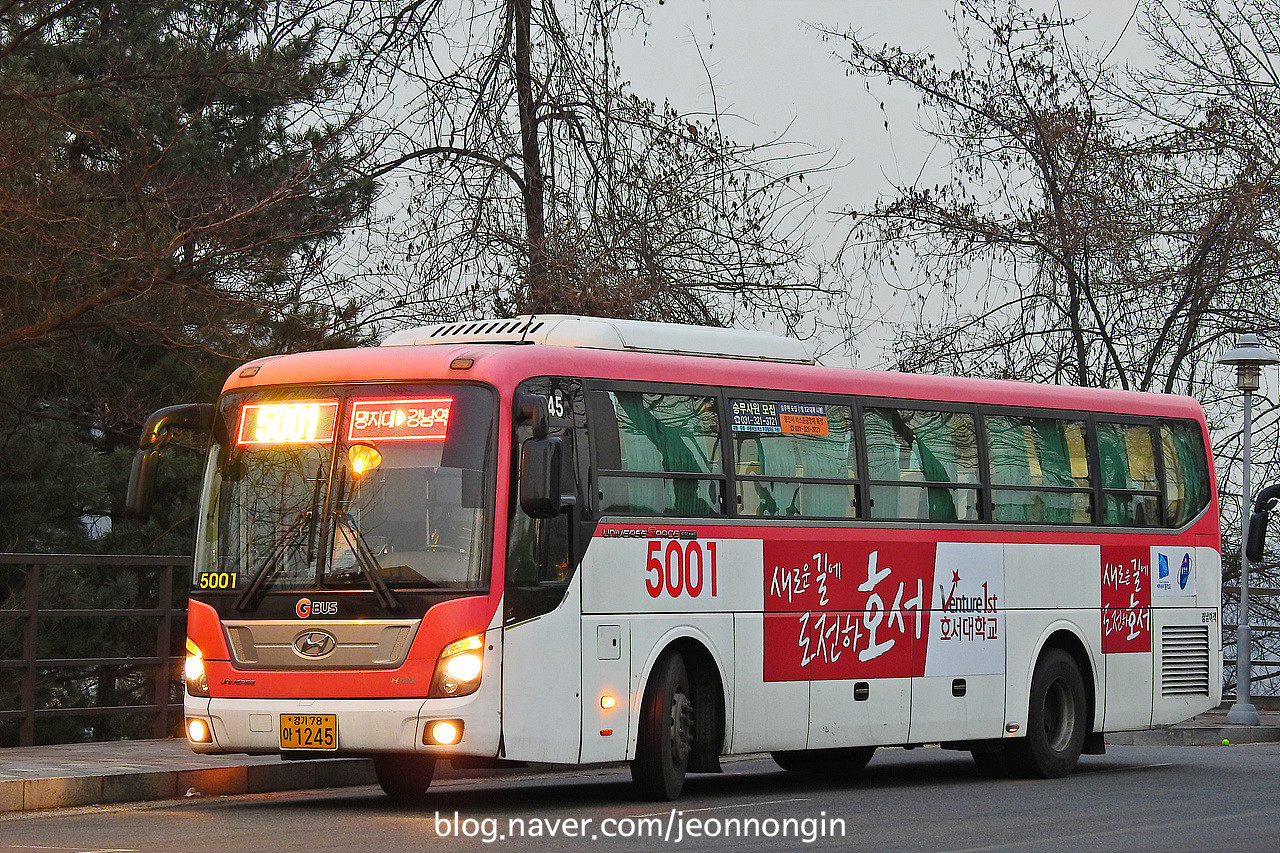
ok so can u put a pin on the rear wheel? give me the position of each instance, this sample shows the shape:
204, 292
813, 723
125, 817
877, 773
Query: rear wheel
1057, 720
665, 738
404, 777
831, 763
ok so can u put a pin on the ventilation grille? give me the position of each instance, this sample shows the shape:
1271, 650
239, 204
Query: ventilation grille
1184, 660
489, 328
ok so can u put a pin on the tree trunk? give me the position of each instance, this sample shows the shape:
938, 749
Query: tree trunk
537, 295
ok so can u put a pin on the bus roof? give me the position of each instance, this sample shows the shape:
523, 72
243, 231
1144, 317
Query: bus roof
505, 365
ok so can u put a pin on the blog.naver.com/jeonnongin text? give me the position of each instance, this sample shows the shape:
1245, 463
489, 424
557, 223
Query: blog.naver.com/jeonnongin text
673, 827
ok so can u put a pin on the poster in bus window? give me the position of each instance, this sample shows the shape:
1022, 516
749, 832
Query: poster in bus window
769, 416
1126, 599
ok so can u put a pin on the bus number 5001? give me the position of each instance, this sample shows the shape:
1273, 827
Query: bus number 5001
681, 568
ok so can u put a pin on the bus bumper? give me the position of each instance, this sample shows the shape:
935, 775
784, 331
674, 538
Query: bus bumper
364, 726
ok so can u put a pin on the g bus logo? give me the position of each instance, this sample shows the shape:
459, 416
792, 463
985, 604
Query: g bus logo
306, 607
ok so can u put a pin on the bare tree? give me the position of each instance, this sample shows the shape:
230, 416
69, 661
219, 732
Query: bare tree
531, 180
1119, 226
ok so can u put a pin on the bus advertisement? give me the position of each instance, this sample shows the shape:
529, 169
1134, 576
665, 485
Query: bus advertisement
575, 540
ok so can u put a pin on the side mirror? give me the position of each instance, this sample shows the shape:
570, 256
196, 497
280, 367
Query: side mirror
155, 435
1256, 542
540, 495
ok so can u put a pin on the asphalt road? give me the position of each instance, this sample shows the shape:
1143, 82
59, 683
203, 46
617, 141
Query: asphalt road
1165, 799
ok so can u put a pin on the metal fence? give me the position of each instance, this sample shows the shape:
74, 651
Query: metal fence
91, 647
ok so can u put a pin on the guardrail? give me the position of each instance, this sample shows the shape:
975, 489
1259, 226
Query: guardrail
71, 627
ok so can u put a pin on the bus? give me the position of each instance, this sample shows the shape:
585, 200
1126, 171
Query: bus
572, 540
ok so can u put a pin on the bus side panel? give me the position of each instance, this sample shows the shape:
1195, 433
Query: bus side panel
766, 715
1047, 588
1187, 632
606, 672
541, 683
859, 713
958, 691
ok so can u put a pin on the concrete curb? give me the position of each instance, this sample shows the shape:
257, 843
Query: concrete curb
1196, 736
69, 791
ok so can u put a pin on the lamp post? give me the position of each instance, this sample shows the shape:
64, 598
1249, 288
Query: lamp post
1249, 357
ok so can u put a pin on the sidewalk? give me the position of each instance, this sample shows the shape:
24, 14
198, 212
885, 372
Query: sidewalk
81, 774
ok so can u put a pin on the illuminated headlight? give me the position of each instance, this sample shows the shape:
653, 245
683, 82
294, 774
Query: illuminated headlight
193, 672
459, 667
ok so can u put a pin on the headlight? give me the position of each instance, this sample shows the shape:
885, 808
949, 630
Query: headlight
193, 672
458, 669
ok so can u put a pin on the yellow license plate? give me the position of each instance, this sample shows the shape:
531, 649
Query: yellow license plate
308, 731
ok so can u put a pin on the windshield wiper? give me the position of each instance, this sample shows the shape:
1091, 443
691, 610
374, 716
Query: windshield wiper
367, 563
260, 580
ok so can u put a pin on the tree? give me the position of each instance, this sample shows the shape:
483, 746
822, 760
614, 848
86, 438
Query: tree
1118, 225
531, 180
172, 175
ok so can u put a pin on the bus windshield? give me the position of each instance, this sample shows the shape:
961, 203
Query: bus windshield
382, 488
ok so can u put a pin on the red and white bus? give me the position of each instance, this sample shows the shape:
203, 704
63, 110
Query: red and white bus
574, 540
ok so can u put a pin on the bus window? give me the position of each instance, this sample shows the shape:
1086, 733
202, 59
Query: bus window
646, 436
1131, 494
794, 459
1186, 473
937, 450
1039, 470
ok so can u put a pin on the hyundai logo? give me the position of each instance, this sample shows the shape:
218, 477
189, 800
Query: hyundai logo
315, 644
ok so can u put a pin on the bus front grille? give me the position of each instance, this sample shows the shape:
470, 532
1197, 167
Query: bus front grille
1184, 660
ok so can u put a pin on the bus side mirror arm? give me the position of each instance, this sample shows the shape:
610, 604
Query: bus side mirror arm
533, 409
1256, 542
155, 435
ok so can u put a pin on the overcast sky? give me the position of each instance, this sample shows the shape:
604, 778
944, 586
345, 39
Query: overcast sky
773, 74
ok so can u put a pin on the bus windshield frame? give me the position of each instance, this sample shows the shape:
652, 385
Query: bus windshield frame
381, 488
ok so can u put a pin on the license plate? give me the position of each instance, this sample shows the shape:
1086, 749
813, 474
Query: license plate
308, 731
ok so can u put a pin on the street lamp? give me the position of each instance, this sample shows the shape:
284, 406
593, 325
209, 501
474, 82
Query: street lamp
1249, 357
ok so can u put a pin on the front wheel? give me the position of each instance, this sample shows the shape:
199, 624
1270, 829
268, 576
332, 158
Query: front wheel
404, 777
665, 737
1057, 720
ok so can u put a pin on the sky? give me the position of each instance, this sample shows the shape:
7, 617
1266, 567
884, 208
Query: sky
764, 67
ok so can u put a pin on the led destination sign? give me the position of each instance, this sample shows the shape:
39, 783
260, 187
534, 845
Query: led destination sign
288, 423
400, 420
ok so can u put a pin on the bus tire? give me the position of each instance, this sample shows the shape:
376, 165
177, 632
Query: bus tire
404, 777
829, 763
665, 737
1057, 720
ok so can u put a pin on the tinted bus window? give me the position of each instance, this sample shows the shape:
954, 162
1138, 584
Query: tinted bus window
905, 446
1131, 494
794, 459
1039, 470
643, 436
1186, 471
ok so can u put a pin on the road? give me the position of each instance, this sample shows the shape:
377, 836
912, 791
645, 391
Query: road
1165, 799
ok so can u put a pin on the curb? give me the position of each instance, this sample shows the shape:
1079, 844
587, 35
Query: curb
1196, 736
69, 791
